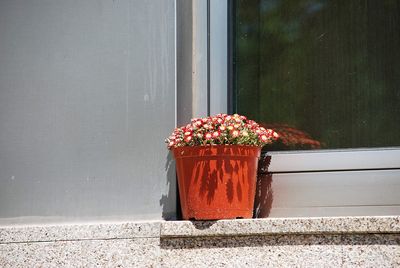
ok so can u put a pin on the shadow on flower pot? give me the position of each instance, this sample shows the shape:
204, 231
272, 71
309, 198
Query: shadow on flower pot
264, 193
215, 176
210, 176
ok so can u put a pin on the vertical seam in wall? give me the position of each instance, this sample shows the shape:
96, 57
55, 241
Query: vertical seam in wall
176, 62
229, 60
208, 60
259, 62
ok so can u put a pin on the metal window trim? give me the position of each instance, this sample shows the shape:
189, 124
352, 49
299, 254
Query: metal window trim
209, 58
200, 40
218, 56
334, 160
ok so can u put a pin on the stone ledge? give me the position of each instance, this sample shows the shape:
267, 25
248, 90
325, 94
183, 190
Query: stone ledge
320, 225
77, 231
281, 250
165, 229
273, 242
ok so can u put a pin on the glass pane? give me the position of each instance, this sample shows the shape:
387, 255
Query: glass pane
324, 73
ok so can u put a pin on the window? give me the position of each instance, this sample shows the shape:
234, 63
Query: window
325, 74
316, 70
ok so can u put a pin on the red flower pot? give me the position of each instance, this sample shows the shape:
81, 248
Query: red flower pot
218, 181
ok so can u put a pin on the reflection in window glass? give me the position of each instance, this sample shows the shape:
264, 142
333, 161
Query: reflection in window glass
324, 73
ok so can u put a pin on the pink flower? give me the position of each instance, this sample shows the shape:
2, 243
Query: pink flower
198, 123
252, 124
188, 133
199, 135
230, 127
208, 136
264, 138
216, 134
188, 138
222, 127
235, 133
171, 143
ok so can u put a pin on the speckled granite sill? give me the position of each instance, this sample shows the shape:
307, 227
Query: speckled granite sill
165, 229
76, 231
320, 225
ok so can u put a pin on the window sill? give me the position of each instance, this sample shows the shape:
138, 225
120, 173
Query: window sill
273, 242
272, 226
166, 229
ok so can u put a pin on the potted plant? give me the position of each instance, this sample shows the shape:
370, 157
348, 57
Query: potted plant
216, 161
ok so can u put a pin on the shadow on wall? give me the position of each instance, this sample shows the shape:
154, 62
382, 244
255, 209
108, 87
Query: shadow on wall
264, 193
170, 201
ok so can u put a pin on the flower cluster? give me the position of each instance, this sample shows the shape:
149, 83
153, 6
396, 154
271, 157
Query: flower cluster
221, 129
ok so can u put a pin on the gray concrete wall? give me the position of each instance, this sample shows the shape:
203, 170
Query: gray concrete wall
87, 96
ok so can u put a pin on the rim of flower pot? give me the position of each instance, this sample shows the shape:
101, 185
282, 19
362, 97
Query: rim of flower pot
218, 149
217, 145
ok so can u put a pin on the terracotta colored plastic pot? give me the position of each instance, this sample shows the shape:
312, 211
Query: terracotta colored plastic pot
217, 182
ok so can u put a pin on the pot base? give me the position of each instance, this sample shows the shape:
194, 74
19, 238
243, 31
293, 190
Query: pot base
218, 214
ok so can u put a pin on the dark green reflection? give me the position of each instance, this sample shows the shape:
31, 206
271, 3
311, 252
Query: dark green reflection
324, 71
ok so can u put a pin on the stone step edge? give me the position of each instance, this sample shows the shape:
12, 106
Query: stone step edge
170, 229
